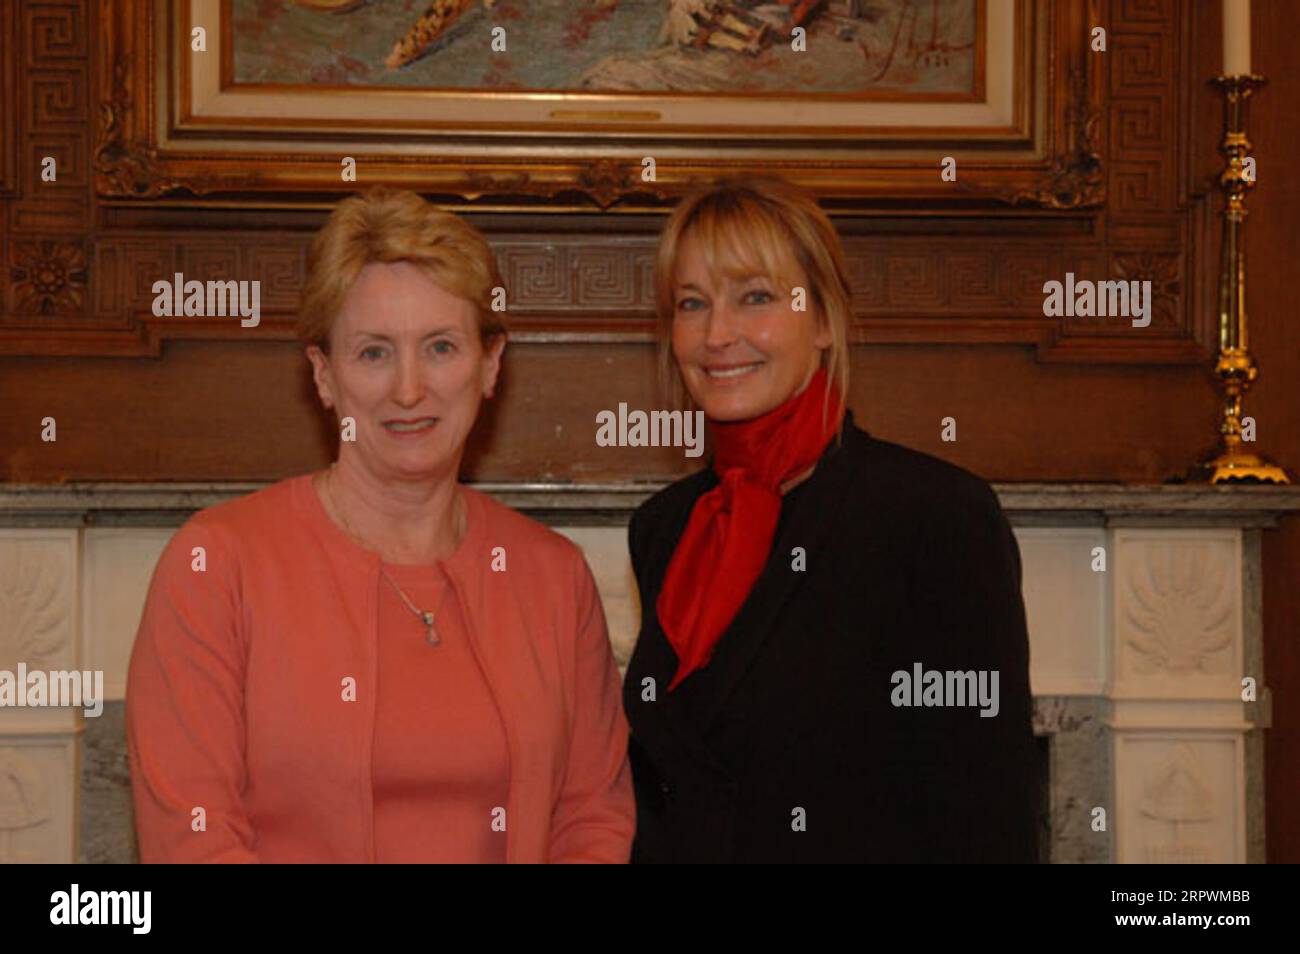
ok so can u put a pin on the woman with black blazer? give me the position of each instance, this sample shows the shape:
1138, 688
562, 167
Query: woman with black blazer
833, 662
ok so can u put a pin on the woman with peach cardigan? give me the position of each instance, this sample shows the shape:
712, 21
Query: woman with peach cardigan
374, 663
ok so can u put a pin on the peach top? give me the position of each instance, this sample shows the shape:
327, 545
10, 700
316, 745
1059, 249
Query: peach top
439, 766
270, 716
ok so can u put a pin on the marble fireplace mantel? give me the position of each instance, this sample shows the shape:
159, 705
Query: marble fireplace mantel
1136, 671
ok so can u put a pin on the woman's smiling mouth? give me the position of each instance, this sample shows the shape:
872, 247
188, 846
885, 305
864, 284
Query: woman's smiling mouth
727, 372
419, 425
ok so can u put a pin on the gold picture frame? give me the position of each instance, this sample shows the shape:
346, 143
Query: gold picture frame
175, 128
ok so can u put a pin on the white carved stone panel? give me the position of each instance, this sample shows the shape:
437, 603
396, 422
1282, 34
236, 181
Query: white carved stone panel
38, 616
118, 564
1177, 606
38, 801
1064, 607
1180, 798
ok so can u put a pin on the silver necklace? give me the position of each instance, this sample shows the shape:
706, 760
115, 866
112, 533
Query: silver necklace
424, 616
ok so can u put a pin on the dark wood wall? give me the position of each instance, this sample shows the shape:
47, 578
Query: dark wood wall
949, 313
1274, 248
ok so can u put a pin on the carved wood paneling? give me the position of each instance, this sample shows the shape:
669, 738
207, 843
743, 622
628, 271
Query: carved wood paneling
900, 285
46, 228
53, 99
1108, 203
9, 129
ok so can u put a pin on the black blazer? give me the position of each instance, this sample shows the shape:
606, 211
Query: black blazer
909, 560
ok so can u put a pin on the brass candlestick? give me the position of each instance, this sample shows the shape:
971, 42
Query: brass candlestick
1235, 368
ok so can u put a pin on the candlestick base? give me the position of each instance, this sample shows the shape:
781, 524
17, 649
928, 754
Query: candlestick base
1234, 465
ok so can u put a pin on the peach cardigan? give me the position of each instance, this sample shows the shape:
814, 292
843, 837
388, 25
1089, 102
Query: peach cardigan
235, 696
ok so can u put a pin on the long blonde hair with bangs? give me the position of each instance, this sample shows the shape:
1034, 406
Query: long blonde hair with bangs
760, 225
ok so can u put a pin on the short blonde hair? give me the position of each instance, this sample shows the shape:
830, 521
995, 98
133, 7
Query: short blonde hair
391, 225
765, 225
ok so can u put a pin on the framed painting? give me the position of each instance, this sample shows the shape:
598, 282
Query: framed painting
599, 104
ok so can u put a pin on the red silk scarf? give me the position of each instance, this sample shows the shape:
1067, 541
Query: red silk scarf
729, 535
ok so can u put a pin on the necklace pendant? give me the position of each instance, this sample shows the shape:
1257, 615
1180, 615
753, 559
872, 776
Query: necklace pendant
430, 636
